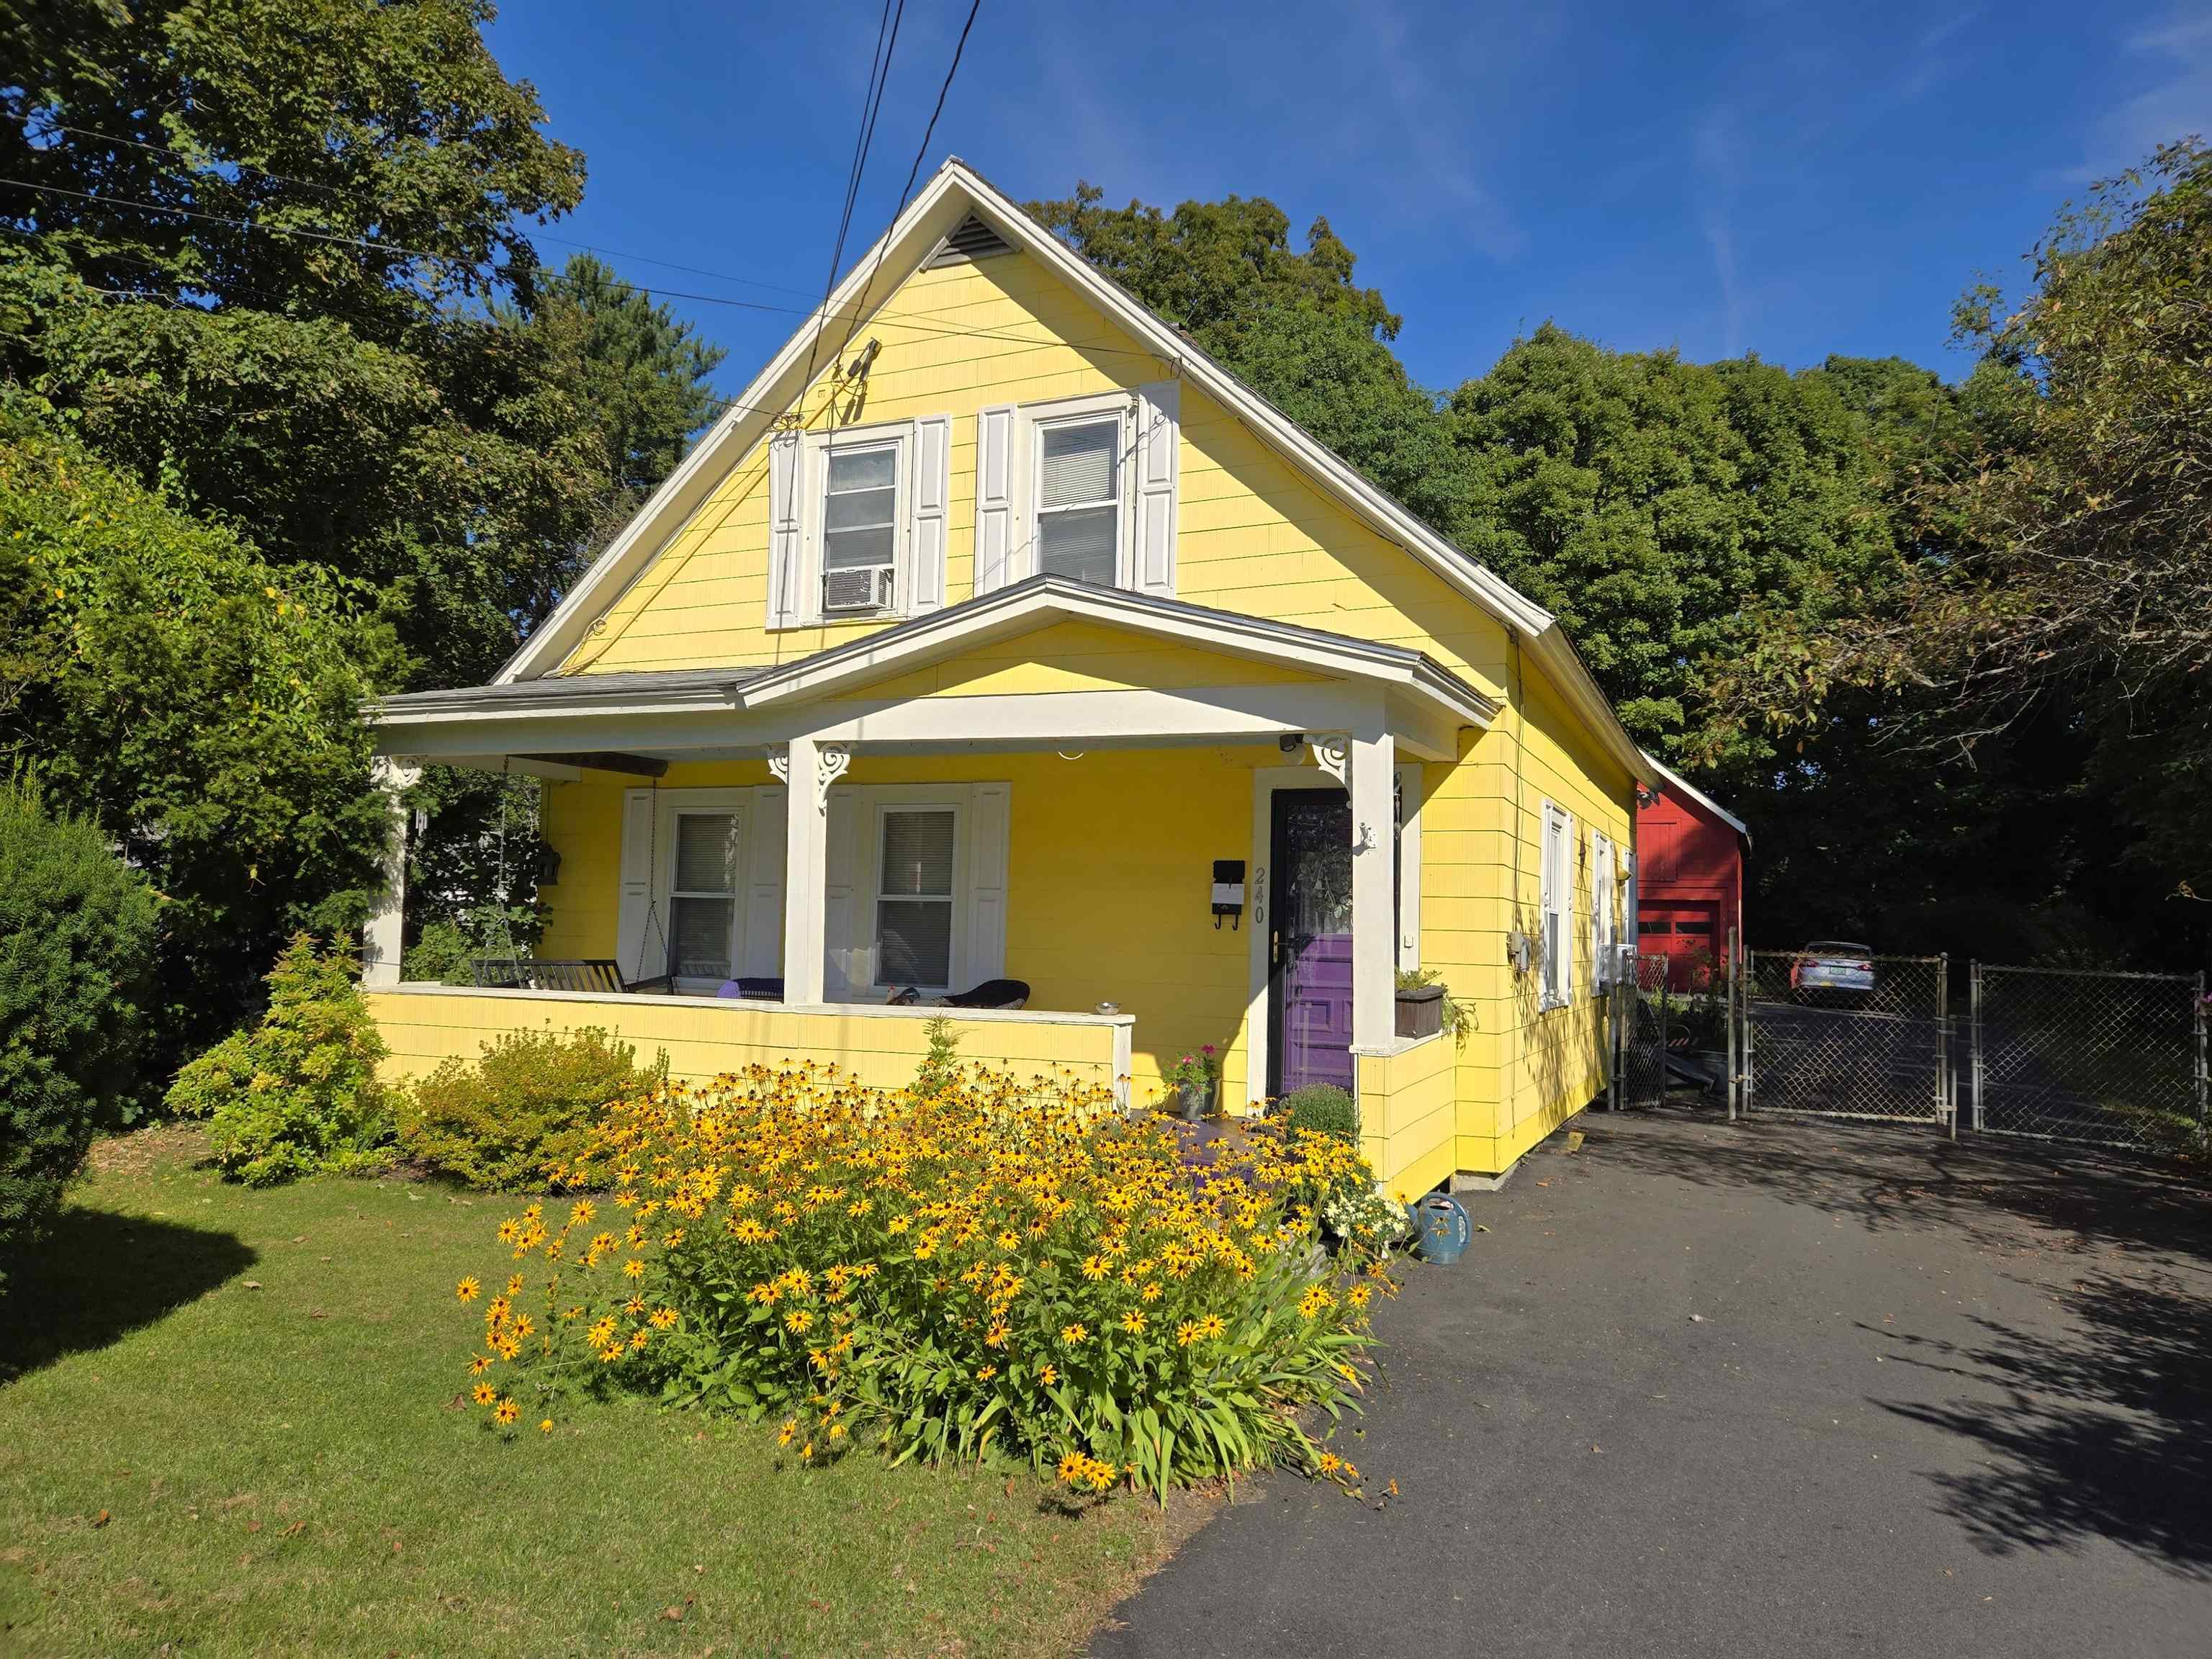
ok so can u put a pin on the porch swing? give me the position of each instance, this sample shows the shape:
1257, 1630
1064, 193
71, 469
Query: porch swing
593, 976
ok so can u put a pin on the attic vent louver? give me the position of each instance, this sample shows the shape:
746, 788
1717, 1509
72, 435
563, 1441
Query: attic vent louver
971, 239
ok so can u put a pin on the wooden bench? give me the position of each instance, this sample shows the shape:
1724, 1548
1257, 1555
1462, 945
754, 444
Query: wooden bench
593, 975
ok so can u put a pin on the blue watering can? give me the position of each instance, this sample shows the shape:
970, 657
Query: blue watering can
1441, 1227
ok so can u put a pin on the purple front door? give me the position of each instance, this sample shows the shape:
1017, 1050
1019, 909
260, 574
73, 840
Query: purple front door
1309, 902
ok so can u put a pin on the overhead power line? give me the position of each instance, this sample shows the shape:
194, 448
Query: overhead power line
258, 228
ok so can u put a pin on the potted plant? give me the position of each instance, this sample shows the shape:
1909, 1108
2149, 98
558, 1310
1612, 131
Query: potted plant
1195, 1081
1426, 1007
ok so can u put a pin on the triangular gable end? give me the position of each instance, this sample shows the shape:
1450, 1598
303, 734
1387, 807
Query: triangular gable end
938, 222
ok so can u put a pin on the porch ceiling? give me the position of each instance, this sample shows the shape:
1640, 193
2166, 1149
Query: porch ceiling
1275, 680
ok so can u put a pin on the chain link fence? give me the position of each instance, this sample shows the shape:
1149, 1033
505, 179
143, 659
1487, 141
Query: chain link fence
2117, 1060
1845, 1034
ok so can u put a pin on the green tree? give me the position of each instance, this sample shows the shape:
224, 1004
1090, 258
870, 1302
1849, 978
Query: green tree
202, 707
75, 929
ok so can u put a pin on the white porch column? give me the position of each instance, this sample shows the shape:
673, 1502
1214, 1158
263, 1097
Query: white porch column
809, 767
380, 940
1374, 904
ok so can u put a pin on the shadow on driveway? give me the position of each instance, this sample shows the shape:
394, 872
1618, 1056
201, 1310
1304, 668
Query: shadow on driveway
1780, 1389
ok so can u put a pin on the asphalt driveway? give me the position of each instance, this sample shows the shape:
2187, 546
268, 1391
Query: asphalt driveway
1787, 1388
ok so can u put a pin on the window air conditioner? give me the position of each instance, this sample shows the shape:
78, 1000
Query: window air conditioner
857, 587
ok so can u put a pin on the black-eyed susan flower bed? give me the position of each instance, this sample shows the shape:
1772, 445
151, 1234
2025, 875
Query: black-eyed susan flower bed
1002, 1263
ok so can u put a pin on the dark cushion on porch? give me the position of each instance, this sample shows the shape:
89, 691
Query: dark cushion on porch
991, 994
752, 990
598, 975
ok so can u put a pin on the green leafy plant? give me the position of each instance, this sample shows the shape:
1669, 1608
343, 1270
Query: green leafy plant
77, 934
1458, 1016
1322, 1107
298, 1092
1009, 1265
519, 1115
940, 1065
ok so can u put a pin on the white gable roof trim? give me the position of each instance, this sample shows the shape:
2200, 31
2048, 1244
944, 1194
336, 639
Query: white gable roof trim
955, 192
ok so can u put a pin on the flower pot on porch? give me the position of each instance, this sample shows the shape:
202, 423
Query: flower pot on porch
1194, 1101
1420, 1011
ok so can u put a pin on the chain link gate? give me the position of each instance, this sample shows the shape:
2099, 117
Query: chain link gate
1640, 1015
2114, 1059
1875, 1046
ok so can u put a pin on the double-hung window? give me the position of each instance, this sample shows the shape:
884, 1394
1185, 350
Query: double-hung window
915, 910
860, 528
702, 900
1556, 939
1079, 517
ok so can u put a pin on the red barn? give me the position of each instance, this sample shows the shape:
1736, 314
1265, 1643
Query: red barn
1689, 879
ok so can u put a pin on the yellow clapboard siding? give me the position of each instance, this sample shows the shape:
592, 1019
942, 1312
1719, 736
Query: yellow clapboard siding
704, 1038
1110, 854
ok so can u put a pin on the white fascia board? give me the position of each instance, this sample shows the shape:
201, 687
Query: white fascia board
1024, 608
1381, 513
1670, 779
927, 218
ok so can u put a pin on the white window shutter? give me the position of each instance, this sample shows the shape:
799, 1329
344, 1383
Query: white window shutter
1566, 908
996, 488
785, 606
987, 882
763, 957
1159, 432
1600, 911
933, 489
634, 951
847, 968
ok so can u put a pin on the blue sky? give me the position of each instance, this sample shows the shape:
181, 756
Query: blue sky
1785, 179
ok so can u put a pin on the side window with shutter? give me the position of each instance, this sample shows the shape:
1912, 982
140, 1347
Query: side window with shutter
1556, 899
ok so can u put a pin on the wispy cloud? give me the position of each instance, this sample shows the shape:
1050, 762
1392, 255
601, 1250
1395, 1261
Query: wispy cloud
1431, 126
1715, 147
2174, 58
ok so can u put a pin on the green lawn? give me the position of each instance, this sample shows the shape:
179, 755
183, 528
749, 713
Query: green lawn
230, 1423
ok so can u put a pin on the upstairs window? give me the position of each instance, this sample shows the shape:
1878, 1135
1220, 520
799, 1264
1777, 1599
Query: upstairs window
1079, 508
860, 530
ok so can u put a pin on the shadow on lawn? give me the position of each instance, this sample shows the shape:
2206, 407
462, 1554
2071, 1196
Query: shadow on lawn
100, 1275
2104, 1431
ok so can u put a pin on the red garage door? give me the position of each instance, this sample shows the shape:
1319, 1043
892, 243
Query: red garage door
1686, 932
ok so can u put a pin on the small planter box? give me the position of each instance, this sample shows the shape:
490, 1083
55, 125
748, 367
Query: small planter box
1421, 1010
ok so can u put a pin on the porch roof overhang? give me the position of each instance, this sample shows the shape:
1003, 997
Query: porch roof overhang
553, 726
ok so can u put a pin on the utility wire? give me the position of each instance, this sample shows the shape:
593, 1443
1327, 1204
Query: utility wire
871, 106
649, 292
884, 248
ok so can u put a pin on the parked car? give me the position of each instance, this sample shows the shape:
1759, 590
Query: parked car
1831, 967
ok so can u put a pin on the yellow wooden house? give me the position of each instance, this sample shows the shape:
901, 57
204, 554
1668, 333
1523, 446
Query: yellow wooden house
996, 634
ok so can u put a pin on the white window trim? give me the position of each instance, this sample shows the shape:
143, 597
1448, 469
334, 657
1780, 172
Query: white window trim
813, 486
980, 877
959, 900
1604, 935
756, 912
1036, 419
1265, 780
1556, 898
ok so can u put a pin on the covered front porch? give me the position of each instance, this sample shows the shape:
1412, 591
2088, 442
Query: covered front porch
1175, 828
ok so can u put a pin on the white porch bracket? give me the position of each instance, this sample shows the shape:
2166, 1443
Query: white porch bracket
381, 940
1332, 752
